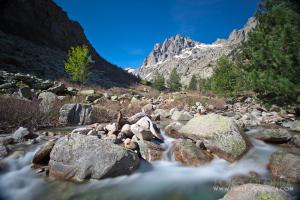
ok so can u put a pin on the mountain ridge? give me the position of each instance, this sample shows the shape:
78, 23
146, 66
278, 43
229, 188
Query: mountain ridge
190, 57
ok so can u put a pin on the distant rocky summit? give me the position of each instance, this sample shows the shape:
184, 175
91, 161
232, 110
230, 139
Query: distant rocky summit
190, 57
35, 37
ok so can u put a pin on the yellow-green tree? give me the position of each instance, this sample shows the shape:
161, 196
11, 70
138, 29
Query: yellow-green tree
78, 63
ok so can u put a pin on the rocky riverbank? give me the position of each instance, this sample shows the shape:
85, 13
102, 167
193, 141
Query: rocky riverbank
200, 135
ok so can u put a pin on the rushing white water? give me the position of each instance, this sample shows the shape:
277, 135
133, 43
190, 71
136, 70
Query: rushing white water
20, 182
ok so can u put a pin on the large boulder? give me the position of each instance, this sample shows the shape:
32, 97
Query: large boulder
162, 113
75, 114
47, 101
274, 135
285, 166
181, 116
186, 152
78, 157
256, 192
220, 134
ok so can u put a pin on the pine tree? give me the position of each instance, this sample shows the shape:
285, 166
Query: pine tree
174, 81
193, 83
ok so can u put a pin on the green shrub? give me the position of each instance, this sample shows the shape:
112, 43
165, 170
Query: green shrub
78, 63
193, 83
174, 81
158, 82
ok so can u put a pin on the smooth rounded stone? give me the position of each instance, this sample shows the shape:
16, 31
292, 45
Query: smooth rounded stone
129, 144
285, 166
187, 153
57, 88
126, 129
86, 92
256, 192
47, 101
149, 151
21, 134
172, 130
181, 116
3, 151
296, 126
78, 157
274, 135
220, 134
42, 156
83, 130
75, 114
162, 113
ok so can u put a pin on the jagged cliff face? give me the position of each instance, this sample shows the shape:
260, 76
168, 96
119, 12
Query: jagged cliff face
35, 38
190, 57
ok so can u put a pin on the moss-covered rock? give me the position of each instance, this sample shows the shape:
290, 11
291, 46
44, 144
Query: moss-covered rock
274, 135
257, 192
285, 166
220, 134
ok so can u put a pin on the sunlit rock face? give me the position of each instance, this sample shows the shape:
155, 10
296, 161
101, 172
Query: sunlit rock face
190, 57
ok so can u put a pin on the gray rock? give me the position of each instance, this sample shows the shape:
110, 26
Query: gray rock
126, 129
150, 151
162, 113
57, 88
285, 166
114, 98
274, 135
144, 129
256, 192
25, 92
78, 157
6, 85
186, 152
83, 130
181, 116
296, 126
47, 101
75, 114
92, 98
86, 92
172, 130
20, 134
220, 134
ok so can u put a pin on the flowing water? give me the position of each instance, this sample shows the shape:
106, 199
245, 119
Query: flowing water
165, 179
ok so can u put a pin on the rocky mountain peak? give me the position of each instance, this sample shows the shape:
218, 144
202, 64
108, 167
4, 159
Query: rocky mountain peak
169, 48
190, 57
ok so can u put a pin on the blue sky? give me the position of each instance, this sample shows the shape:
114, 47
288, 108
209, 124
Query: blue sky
125, 31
